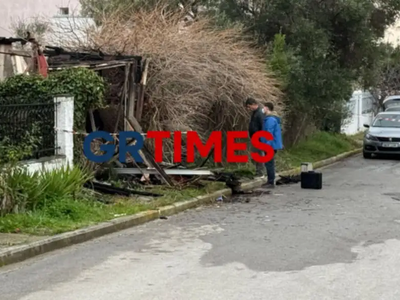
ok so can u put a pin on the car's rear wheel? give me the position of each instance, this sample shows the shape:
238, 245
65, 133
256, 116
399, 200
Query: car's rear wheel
367, 155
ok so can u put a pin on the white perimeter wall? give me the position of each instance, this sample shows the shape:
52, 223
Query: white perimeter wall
361, 108
64, 120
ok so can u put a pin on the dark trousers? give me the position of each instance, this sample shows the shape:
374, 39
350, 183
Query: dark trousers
270, 166
259, 166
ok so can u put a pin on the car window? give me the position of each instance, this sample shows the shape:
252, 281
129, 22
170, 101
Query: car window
395, 102
387, 121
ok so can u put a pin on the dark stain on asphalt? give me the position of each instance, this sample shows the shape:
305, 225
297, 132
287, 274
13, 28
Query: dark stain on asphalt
287, 230
394, 196
292, 229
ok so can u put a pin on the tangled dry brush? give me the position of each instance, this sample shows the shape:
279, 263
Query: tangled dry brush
199, 77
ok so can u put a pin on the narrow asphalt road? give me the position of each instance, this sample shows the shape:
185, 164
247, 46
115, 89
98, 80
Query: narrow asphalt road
342, 242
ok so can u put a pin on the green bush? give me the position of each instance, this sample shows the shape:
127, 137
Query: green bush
21, 191
319, 146
87, 87
25, 89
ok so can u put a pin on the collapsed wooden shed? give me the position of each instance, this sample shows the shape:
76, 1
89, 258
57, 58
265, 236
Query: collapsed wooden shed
12, 61
126, 77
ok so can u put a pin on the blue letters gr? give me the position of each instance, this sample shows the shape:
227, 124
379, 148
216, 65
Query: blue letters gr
132, 149
108, 149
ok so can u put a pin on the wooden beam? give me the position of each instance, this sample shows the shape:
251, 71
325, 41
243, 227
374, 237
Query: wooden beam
114, 158
147, 154
92, 122
119, 113
143, 82
134, 124
15, 54
130, 112
145, 72
137, 128
105, 67
124, 97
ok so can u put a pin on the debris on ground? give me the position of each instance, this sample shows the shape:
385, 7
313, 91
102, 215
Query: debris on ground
288, 179
112, 190
126, 105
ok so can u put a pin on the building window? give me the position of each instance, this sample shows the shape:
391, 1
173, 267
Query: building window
64, 11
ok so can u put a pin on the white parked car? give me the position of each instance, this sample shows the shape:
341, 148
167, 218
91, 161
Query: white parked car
383, 136
392, 103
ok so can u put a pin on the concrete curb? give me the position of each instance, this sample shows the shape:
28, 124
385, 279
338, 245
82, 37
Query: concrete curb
325, 162
20, 253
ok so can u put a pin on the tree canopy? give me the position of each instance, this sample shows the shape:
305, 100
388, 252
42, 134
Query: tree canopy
326, 48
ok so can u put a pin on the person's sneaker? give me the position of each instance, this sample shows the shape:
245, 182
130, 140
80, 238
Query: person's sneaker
269, 186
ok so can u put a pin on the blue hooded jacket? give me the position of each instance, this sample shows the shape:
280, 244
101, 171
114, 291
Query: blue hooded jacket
272, 124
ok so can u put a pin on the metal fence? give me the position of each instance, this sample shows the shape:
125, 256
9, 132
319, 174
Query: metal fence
30, 127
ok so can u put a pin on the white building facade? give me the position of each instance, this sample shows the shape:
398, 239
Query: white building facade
12, 11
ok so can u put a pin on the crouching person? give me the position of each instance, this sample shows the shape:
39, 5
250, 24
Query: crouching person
272, 124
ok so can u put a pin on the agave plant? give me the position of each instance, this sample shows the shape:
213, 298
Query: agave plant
66, 182
21, 190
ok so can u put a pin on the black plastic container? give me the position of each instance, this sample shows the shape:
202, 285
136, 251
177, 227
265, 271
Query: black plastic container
311, 180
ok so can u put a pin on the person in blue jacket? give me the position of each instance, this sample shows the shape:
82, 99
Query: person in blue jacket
272, 124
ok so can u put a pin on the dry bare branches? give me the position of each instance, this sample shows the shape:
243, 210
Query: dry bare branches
199, 77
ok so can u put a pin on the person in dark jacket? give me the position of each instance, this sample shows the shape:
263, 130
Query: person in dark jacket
256, 124
272, 124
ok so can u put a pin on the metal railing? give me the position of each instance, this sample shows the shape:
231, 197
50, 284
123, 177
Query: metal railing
29, 127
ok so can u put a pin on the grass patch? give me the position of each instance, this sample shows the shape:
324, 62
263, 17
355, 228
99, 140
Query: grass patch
358, 136
62, 214
320, 146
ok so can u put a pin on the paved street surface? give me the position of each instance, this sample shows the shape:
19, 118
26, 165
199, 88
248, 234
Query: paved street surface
342, 242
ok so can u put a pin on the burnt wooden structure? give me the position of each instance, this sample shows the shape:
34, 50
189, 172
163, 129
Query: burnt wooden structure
126, 76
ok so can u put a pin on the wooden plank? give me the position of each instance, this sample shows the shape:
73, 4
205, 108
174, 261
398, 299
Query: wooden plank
134, 124
92, 122
115, 157
139, 102
145, 72
124, 97
131, 92
15, 53
119, 113
142, 155
143, 83
146, 176
187, 172
105, 67
137, 128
